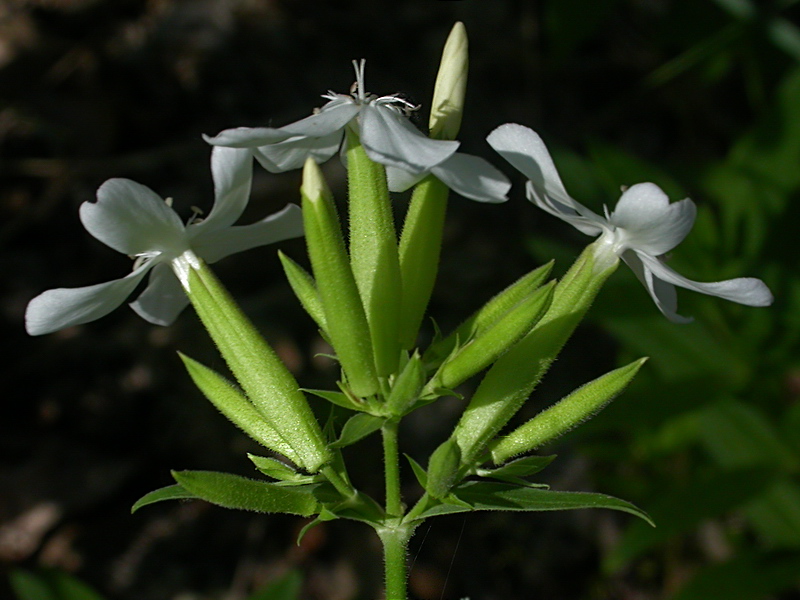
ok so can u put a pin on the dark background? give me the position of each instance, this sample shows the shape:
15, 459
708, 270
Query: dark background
95, 416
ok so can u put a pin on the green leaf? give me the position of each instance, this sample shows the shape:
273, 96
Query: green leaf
30, 586
266, 381
406, 387
282, 472
443, 467
170, 492
285, 587
237, 408
509, 382
775, 514
521, 467
680, 510
419, 472
739, 435
506, 497
485, 317
233, 491
356, 428
304, 288
748, 576
489, 344
339, 399
49, 584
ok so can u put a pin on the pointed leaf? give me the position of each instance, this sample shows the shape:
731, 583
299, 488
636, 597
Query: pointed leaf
356, 428
233, 491
170, 492
486, 316
282, 472
522, 467
339, 399
237, 408
419, 472
406, 387
304, 288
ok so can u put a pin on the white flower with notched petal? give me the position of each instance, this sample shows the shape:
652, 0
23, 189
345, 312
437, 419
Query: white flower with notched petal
642, 228
388, 138
134, 220
386, 134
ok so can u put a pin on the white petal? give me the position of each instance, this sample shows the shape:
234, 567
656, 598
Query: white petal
163, 299
232, 171
247, 137
332, 117
473, 177
744, 290
292, 153
389, 138
662, 293
282, 225
525, 150
589, 226
400, 180
132, 219
63, 307
651, 223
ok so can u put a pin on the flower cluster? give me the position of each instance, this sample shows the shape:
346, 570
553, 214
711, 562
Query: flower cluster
132, 219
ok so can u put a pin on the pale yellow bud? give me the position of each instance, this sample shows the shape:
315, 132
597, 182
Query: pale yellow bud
451, 83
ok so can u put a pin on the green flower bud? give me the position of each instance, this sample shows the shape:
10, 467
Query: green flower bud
579, 406
447, 107
346, 323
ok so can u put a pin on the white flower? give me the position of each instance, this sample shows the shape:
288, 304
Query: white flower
386, 134
134, 220
388, 138
467, 175
643, 227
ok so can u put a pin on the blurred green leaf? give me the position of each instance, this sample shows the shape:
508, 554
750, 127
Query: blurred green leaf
49, 584
679, 510
749, 576
739, 435
286, 587
775, 515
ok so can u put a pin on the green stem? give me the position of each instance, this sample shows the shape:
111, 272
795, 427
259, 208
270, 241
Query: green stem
339, 482
391, 461
395, 544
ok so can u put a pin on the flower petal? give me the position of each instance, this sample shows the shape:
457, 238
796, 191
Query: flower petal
473, 177
163, 299
65, 307
389, 138
292, 153
400, 180
132, 219
232, 171
525, 150
662, 293
331, 117
744, 290
651, 223
288, 223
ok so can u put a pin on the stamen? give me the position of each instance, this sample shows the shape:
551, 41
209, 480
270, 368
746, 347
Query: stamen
195, 218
